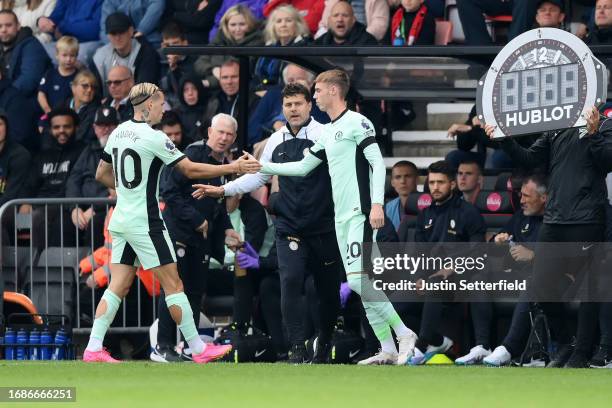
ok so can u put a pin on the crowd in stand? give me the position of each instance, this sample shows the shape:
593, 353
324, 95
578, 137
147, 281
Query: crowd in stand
66, 69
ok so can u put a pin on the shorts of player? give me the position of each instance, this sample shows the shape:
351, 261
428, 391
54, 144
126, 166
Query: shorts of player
150, 249
351, 235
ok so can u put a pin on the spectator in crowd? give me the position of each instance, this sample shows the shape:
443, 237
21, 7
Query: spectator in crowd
344, 29
28, 12
78, 18
311, 11
413, 24
119, 83
20, 115
238, 28
550, 13
14, 172
602, 32
54, 87
448, 219
179, 66
471, 13
172, 127
195, 227
192, 108
285, 27
374, 14
256, 8
82, 179
226, 99
84, 102
469, 180
436, 7
196, 17
48, 179
404, 178
144, 14
268, 116
520, 236
23, 60
471, 134
14, 164
135, 53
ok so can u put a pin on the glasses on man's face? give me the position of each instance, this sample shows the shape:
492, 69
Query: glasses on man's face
87, 86
116, 82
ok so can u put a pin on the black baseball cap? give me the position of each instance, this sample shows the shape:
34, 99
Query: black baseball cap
106, 116
118, 23
558, 3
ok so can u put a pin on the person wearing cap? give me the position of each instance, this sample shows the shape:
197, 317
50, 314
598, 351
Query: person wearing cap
82, 179
146, 15
48, 178
78, 18
123, 49
550, 13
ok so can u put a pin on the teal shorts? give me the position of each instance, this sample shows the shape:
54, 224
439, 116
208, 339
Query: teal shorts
351, 234
150, 249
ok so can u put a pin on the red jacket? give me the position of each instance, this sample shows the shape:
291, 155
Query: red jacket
311, 10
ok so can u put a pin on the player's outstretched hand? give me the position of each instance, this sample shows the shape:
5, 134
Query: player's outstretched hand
489, 130
206, 190
377, 216
248, 164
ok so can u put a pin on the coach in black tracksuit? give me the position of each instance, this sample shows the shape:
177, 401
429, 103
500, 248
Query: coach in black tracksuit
194, 225
305, 229
577, 160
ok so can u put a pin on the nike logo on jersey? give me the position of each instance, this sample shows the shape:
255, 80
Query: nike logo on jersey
351, 262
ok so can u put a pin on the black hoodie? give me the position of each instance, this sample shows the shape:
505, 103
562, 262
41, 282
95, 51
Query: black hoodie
192, 117
357, 36
51, 168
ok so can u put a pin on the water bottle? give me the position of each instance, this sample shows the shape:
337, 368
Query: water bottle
22, 339
45, 351
60, 340
34, 345
9, 340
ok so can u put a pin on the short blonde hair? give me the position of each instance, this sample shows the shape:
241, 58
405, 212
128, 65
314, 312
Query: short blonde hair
85, 74
301, 28
337, 77
236, 10
67, 43
142, 92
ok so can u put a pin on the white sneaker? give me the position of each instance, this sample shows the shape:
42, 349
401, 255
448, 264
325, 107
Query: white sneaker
419, 358
475, 356
406, 347
499, 357
382, 358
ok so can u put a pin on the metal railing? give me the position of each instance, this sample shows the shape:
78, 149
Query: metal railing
33, 269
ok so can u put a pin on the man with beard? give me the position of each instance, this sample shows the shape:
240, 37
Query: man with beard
23, 59
82, 179
305, 239
48, 179
448, 219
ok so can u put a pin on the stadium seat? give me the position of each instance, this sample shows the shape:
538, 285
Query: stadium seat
16, 258
416, 203
66, 256
55, 284
444, 32
495, 207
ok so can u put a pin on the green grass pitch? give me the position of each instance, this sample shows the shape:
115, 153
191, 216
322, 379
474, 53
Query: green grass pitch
144, 384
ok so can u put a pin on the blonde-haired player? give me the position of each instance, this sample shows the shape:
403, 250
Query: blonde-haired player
131, 163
